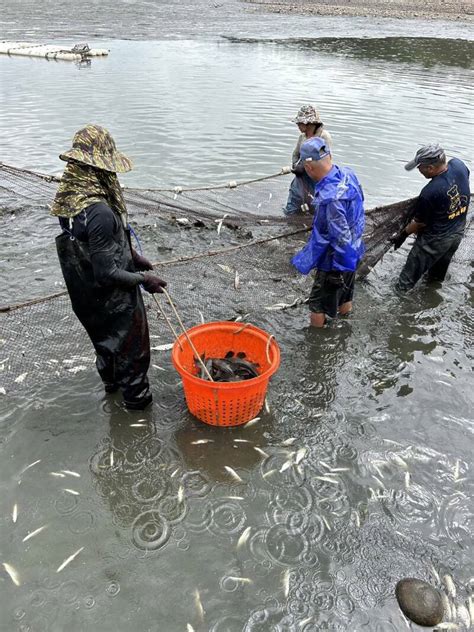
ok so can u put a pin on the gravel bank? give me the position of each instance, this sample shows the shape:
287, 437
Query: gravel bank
431, 9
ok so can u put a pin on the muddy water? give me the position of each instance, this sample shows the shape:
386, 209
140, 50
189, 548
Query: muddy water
381, 404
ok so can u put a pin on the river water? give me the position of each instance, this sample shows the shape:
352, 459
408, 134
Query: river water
382, 403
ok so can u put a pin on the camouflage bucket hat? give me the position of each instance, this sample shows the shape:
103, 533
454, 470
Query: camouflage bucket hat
307, 114
94, 146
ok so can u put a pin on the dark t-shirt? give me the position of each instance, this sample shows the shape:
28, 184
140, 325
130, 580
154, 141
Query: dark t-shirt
444, 201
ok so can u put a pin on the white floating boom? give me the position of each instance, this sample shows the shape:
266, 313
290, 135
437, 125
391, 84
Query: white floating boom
78, 52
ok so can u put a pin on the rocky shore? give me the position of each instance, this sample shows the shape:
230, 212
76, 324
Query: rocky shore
426, 9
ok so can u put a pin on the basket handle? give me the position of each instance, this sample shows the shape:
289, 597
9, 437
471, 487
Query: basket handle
190, 342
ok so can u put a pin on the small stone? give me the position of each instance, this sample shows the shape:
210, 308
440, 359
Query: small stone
419, 601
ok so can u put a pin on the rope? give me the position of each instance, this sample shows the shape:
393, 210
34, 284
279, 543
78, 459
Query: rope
168, 322
185, 332
233, 184
211, 253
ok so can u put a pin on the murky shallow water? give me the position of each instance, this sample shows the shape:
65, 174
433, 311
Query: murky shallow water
384, 394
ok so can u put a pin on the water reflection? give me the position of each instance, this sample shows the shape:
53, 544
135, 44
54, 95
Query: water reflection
425, 51
152, 102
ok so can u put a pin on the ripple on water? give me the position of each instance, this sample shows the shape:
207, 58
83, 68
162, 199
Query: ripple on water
150, 531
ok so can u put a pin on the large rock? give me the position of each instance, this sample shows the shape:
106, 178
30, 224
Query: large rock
419, 601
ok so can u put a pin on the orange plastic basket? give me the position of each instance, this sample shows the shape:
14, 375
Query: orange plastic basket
225, 403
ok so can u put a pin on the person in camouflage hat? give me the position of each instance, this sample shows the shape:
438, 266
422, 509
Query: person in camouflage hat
102, 272
309, 124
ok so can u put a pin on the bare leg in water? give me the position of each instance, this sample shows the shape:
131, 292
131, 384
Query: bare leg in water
318, 319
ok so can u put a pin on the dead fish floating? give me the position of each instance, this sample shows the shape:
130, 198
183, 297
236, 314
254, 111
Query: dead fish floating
420, 602
234, 367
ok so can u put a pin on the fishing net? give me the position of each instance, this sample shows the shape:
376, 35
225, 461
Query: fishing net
225, 251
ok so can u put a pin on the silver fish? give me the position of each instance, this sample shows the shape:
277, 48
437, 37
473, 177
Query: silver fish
450, 587
71, 473
33, 533
244, 537
357, 519
30, 465
189, 628
241, 580
326, 479
300, 455
220, 223
376, 467
286, 465
305, 621
260, 451
464, 616
111, 458
269, 473
456, 470
379, 482
13, 573
446, 606
328, 526
286, 583
173, 474
407, 480
202, 441
15, 512
236, 280
68, 560
198, 603
137, 425
21, 378
252, 422
225, 268
165, 347
71, 491
435, 573
399, 461
234, 497
59, 474
242, 440
289, 441
233, 473
180, 494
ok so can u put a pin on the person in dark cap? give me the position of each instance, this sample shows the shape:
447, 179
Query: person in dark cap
103, 273
335, 247
439, 219
309, 124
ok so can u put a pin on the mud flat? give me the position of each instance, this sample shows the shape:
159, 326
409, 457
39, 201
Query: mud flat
431, 9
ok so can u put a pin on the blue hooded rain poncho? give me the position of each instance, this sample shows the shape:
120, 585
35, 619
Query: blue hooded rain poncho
338, 225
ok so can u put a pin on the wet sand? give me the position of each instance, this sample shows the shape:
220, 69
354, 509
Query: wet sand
431, 9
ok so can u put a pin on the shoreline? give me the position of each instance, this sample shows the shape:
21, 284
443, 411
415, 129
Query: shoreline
397, 9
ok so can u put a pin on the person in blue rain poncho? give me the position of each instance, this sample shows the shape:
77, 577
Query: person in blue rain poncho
335, 247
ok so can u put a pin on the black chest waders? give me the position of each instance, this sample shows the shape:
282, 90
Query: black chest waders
114, 318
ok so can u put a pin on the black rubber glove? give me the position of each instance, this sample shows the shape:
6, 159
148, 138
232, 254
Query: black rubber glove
141, 263
399, 239
153, 284
335, 279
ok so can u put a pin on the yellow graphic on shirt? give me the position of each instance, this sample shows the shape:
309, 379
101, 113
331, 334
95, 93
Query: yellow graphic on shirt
455, 206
